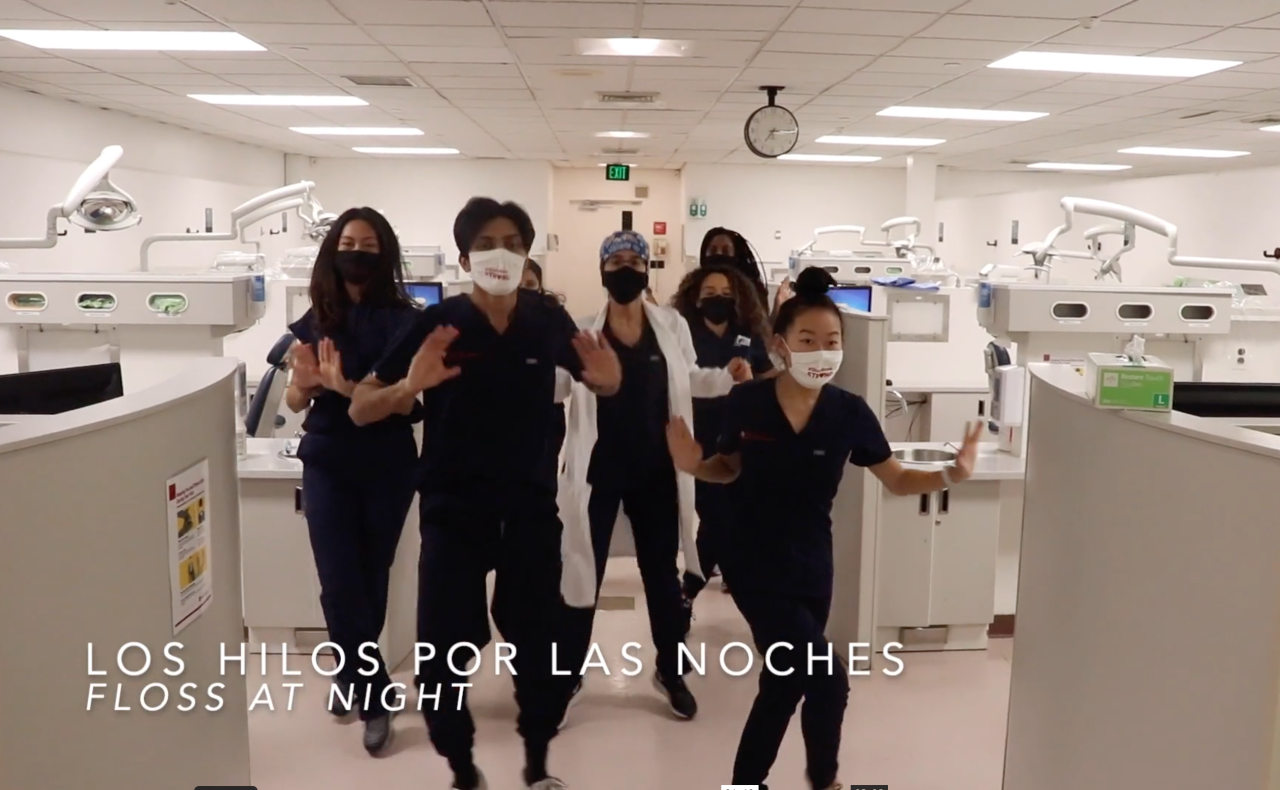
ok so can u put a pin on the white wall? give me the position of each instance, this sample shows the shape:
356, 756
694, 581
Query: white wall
422, 198
1231, 214
172, 173
574, 270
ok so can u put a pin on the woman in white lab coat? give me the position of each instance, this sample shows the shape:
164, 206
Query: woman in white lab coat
616, 459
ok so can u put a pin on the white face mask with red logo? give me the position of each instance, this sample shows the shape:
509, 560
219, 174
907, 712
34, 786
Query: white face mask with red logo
497, 272
812, 369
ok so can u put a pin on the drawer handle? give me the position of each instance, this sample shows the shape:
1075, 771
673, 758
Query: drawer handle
924, 504
299, 504
945, 506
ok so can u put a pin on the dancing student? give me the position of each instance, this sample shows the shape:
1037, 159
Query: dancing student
617, 460
785, 441
358, 481
727, 322
485, 364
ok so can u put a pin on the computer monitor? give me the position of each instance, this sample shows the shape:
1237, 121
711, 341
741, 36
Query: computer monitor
425, 294
60, 390
854, 297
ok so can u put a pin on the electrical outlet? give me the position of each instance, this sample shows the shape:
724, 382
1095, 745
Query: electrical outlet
1239, 359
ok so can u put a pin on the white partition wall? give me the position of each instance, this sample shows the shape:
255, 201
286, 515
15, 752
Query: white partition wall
84, 558
1148, 646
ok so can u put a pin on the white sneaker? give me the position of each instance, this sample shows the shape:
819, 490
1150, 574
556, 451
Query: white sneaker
482, 786
550, 783
573, 700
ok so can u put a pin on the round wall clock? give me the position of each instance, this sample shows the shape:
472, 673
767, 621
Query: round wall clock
771, 131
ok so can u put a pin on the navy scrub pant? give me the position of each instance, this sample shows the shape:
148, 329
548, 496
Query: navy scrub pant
356, 500
652, 504
462, 541
800, 622
715, 511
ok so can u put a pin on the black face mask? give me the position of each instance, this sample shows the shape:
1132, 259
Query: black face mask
718, 309
356, 266
625, 285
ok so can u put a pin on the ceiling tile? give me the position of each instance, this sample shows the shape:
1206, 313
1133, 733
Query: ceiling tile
40, 65
269, 35
1238, 40
340, 54
826, 44
884, 23
955, 49
454, 54
431, 36
22, 11
985, 28
288, 11
1131, 34
1194, 12
699, 17
255, 66
120, 10
413, 12
1075, 9
568, 15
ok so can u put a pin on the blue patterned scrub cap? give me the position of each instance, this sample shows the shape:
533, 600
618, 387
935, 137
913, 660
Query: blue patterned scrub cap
624, 240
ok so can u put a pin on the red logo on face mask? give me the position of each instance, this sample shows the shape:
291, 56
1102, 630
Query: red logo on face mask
497, 274
820, 373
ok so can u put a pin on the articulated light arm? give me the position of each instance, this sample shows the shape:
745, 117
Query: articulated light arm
94, 203
855, 229
242, 216
898, 222
1110, 266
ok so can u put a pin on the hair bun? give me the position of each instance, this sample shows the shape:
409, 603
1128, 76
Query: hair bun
813, 282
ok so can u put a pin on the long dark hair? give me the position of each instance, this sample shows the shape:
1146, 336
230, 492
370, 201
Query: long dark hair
750, 313
810, 291
745, 259
536, 268
329, 298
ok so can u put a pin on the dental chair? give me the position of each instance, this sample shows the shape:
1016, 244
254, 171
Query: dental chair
264, 415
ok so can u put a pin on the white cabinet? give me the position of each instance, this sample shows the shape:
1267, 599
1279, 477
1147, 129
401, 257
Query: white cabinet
936, 567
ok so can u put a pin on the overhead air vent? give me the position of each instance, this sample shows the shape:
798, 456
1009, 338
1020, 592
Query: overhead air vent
627, 100
382, 82
619, 152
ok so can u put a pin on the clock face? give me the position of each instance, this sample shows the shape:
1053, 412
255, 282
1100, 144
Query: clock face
771, 132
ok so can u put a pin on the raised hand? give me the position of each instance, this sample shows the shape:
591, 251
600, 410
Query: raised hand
784, 293
740, 369
331, 369
686, 453
428, 368
601, 369
305, 367
968, 455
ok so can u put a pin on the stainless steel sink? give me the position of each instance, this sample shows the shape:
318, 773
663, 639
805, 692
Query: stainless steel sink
932, 457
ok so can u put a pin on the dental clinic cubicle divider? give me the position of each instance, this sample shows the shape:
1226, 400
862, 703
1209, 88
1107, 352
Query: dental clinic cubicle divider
85, 558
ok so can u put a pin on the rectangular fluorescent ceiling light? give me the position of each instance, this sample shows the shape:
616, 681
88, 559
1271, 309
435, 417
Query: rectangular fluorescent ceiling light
906, 142
959, 114
1200, 153
260, 100
405, 151
1081, 166
135, 40
827, 158
1271, 128
624, 135
1128, 65
633, 48
358, 131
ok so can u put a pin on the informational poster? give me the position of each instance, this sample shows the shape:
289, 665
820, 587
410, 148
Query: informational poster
190, 573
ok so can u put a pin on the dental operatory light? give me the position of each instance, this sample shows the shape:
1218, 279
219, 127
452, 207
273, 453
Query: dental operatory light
904, 142
828, 158
394, 151
261, 100
960, 114
135, 40
358, 131
1082, 167
94, 203
1124, 65
633, 48
1194, 153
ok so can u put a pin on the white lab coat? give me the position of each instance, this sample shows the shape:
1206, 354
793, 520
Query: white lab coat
685, 381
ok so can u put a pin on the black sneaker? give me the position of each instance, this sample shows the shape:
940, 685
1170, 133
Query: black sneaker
573, 700
378, 733
681, 700
337, 702
477, 784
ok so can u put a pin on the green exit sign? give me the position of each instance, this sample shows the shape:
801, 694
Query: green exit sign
617, 173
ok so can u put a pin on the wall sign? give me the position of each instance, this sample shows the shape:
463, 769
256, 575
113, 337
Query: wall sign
659, 228
617, 173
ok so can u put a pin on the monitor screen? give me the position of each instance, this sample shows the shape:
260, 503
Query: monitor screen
60, 390
425, 294
854, 297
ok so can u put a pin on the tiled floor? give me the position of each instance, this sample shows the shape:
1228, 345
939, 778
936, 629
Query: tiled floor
940, 724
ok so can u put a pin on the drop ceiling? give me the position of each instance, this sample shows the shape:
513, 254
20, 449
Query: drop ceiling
500, 78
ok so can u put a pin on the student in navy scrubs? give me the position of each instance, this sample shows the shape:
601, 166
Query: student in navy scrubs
728, 249
357, 481
786, 441
727, 323
485, 364
532, 281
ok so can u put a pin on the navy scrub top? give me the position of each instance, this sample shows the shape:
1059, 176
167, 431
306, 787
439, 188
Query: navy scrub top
362, 341
716, 351
780, 539
488, 430
631, 427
